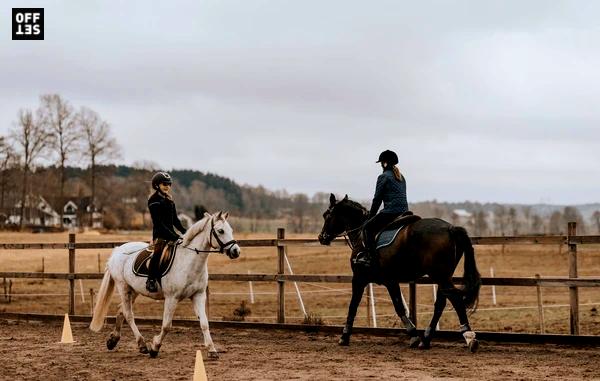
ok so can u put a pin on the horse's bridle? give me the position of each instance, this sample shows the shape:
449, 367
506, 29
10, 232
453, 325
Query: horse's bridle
346, 234
222, 246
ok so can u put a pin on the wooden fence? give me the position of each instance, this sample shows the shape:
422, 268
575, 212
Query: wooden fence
572, 240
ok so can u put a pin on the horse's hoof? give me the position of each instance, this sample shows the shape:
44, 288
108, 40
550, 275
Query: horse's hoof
213, 355
144, 350
474, 346
344, 341
425, 344
153, 353
414, 342
112, 342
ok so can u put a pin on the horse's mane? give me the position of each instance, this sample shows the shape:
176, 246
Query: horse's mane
355, 205
195, 229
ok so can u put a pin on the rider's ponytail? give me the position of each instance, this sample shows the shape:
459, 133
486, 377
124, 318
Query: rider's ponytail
397, 173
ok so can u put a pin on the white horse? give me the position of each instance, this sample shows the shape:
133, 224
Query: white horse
187, 278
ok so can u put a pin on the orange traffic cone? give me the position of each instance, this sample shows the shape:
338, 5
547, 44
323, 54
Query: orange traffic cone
199, 372
67, 335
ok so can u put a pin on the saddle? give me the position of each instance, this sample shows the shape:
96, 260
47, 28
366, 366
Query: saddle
389, 233
142, 260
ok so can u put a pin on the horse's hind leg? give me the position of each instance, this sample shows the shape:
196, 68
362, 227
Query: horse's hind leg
128, 296
199, 302
458, 304
358, 288
440, 304
115, 335
396, 296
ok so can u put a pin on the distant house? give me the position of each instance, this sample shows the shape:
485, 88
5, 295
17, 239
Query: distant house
37, 212
69, 216
76, 212
461, 217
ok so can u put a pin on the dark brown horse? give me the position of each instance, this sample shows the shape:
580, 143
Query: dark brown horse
429, 246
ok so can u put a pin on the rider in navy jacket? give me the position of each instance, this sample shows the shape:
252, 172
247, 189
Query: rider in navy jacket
391, 190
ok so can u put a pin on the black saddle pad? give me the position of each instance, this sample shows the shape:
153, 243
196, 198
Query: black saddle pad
142, 261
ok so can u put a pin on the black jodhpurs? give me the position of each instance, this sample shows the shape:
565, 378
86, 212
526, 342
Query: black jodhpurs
374, 225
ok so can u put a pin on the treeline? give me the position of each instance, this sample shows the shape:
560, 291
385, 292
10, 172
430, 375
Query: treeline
510, 220
61, 152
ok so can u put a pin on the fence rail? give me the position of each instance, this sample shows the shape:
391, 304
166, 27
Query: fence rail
572, 240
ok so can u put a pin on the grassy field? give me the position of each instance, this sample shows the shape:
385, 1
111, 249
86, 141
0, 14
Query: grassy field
515, 310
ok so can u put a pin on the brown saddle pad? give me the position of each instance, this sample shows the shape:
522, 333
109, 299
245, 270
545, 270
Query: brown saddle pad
142, 261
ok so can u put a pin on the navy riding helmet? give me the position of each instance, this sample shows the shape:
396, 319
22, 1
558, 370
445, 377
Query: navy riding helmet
389, 157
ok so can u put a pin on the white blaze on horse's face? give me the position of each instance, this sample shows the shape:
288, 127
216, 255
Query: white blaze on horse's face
223, 234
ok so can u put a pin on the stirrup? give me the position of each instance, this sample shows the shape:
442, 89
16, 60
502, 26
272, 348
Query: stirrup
363, 258
152, 285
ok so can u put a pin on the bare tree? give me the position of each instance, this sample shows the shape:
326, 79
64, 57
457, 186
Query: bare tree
596, 219
572, 214
32, 140
513, 220
480, 223
60, 119
500, 218
537, 224
555, 225
99, 145
8, 159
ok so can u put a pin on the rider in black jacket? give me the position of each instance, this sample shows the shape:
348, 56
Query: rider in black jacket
164, 220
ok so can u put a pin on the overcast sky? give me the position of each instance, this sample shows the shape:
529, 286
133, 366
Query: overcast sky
482, 100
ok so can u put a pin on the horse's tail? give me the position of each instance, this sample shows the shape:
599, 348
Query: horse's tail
101, 307
471, 277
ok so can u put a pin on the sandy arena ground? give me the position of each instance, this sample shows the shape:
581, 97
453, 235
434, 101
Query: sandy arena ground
31, 351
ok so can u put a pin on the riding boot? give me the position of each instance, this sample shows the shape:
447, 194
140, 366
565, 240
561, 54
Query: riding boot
364, 258
153, 267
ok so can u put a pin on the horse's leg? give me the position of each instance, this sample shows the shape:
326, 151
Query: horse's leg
115, 335
440, 304
127, 298
396, 296
358, 288
169, 309
459, 306
199, 302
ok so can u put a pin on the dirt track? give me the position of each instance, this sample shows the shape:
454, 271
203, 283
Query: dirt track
32, 351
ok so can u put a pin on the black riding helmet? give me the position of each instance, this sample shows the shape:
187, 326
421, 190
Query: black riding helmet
161, 178
389, 157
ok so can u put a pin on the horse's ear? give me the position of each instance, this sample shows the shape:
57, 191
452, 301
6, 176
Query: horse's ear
345, 198
332, 199
208, 215
219, 215
225, 215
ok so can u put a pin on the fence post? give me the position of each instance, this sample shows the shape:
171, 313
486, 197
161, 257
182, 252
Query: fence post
92, 301
412, 291
280, 282
71, 273
573, 293
540, 304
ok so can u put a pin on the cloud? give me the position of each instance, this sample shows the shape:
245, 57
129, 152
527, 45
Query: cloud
500, 96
